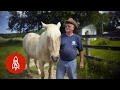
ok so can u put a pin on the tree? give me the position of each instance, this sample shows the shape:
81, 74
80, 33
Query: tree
30, 19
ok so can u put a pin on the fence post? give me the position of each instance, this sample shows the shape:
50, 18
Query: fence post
87, 43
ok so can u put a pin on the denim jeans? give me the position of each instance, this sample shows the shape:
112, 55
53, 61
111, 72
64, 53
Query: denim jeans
68, 67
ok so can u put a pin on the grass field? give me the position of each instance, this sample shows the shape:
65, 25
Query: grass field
93, 69
108, 68
8, 46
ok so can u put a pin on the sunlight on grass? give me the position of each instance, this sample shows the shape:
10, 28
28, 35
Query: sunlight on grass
93, 69
106, 54
107, 68
5, 50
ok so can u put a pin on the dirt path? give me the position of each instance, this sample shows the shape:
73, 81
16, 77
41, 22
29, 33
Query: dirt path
34, 74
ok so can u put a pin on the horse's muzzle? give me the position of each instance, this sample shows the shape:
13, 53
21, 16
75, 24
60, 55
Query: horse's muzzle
55, 59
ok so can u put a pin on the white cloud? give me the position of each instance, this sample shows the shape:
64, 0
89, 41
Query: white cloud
7, 17
21, 14
103, 12
2, 13
7, 31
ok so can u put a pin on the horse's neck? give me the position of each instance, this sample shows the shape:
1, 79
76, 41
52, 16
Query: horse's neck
43, 39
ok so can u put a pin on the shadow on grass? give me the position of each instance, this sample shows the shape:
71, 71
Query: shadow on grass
23, 75
11, 42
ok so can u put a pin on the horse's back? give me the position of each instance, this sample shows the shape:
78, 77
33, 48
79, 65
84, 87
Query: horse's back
30, 41
30, 38
31, 35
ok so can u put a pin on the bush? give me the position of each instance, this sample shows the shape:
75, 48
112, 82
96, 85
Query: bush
103, 41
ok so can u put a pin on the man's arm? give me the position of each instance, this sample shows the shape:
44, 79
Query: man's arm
81, 65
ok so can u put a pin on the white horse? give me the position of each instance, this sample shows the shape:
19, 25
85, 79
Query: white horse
44, 47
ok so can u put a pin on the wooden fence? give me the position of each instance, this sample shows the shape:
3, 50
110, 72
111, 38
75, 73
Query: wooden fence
88, 46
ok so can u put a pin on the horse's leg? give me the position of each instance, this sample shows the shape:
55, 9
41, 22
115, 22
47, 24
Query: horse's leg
28, 63
41, 66
50, 69
37, 66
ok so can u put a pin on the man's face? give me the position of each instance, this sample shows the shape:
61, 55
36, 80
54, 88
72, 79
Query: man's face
69, 27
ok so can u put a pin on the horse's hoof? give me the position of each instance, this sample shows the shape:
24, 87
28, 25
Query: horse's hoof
38, 72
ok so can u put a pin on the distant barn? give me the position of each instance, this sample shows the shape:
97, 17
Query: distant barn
90, 28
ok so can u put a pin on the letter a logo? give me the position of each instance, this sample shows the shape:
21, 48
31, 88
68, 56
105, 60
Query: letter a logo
15, 63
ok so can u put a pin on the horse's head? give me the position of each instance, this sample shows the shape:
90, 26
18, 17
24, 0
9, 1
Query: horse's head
53, 39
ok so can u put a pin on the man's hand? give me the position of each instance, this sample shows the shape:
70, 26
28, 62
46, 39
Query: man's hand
81, 65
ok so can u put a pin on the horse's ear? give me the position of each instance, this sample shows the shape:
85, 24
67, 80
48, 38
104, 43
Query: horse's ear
59, 24
44, 25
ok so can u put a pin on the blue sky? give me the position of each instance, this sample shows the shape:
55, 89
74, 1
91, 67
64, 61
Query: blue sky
4, 22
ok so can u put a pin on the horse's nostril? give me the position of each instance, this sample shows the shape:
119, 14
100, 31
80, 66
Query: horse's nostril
52, 57
55, 58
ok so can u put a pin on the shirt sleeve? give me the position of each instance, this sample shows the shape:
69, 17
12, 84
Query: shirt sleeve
80, 46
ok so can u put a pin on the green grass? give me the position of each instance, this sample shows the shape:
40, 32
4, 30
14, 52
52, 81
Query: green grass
9, 46
93, 69
108, 68
105, 54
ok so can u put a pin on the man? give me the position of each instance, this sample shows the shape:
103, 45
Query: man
70, 43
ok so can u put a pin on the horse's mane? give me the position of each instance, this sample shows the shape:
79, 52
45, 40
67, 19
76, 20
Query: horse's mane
52, 31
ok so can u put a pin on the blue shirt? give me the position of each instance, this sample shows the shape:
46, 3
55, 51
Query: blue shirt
69, 47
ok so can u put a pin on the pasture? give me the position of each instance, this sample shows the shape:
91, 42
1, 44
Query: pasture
93, 69
8, 46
